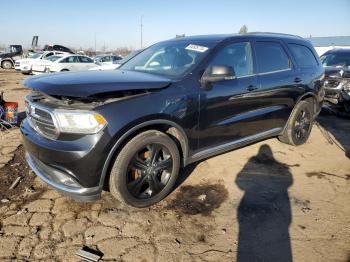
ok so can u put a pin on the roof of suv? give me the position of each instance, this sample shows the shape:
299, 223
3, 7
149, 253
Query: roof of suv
339, 50
228, 36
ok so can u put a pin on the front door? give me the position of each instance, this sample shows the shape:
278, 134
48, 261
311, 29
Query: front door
227, 108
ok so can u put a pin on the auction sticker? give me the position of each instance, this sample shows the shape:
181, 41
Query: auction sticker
197, 48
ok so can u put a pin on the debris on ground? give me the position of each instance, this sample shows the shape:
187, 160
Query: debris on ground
14, 178
88, 254
15, 183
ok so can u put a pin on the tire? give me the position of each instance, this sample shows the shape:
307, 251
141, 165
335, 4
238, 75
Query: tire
6, 64
134, 180
64, 70
299, 126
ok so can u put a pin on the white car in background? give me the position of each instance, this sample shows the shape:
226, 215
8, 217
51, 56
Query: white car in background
107, 59
60, 63
25, 65
116, 64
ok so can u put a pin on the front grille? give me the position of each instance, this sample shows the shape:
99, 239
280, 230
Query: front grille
332, 83
41, 120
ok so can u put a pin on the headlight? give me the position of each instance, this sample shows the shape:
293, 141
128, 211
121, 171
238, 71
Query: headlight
79, 122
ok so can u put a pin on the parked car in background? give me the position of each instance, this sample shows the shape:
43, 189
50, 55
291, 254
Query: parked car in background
106, 59
117, 63
10, 55
60, 63
175, 103
337, 78
25, 65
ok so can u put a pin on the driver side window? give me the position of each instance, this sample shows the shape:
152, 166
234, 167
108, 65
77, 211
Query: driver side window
238, 56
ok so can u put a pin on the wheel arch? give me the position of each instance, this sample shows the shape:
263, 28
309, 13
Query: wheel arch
174, 130
307, 96
303, 97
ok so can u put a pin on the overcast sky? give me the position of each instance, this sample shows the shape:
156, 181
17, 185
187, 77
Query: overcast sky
117, 23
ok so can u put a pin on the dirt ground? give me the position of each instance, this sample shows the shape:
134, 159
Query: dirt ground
265, 202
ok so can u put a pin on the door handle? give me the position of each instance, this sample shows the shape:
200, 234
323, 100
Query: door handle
252, 88
297, 80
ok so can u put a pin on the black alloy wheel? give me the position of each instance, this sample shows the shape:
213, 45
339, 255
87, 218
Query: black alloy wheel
145, 169
299, 125
302, 124
149, 171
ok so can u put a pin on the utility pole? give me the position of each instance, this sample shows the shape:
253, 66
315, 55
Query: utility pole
141, 25
95, 44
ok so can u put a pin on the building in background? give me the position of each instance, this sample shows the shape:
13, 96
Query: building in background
323, 44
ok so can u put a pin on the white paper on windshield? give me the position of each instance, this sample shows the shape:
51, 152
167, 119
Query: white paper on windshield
197, 48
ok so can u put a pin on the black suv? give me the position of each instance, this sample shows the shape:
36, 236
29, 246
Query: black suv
177, 102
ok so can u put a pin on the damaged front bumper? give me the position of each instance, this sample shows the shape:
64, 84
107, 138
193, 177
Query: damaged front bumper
337, 91
62, 182
72, 166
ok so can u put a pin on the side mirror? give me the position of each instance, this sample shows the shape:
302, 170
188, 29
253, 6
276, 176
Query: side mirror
217, 73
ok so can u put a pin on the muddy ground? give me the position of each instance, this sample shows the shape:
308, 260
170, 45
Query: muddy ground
265, 202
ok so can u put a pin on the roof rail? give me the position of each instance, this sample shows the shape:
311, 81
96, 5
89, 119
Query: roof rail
272, 33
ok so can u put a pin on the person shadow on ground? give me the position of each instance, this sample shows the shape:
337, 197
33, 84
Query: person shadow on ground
264, 213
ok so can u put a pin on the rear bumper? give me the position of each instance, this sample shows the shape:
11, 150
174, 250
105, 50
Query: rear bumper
55, 178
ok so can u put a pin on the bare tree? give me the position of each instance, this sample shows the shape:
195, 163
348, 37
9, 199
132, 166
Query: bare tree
243, 30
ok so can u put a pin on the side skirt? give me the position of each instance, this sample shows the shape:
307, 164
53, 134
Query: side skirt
233, 145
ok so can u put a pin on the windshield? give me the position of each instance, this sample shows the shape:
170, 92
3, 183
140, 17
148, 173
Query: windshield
36, 55
53, 58
336, 59
168, 58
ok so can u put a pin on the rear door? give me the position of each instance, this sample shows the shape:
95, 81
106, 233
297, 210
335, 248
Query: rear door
279, 82
73, 63
86, 62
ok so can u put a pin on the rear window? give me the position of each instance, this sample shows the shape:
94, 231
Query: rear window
271, 57
303, 55
84, 59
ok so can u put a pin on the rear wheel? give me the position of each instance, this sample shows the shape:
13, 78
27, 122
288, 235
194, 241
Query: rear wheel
145, 169
299, 126
6, 64
64, 70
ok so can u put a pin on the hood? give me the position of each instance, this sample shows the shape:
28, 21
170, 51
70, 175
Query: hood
5, 55
88, 84
337, 72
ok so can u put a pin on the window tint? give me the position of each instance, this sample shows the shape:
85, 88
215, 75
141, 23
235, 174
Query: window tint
48, 54
85, 59
105, 59
238, 56
303, 55
271, 57
116, 58
336, 59
70, 59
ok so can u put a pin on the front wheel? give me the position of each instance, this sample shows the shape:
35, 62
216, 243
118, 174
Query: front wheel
299, 125
6, 65
145, 169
